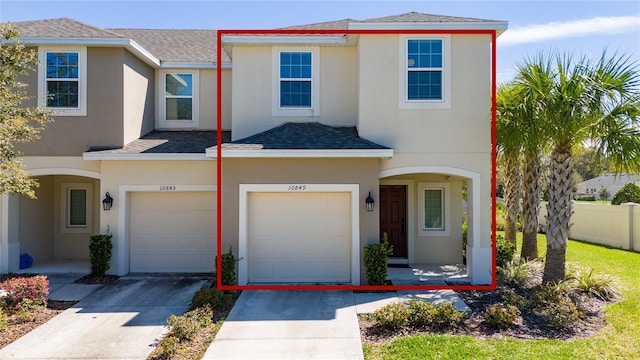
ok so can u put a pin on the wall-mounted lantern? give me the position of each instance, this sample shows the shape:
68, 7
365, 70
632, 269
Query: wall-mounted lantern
369, 202
107, 202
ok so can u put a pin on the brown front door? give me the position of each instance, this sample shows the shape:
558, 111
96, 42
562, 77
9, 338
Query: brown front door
393, 217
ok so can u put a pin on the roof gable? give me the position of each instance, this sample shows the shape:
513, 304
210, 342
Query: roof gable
413, 17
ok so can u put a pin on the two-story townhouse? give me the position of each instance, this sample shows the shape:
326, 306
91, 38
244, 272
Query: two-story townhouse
329, 140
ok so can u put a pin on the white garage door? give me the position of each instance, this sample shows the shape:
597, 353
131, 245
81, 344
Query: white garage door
299, 237
172, 231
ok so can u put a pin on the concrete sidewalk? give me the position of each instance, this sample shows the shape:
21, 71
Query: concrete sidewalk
122, 320
290, 325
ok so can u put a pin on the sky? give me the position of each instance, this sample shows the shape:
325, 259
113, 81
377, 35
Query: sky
581, 28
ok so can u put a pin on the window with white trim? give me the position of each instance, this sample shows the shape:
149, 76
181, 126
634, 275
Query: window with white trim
178, 102
62, 80
434, 209
296, 85
76, 212
425, 66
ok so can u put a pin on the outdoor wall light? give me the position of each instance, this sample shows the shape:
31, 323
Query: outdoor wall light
369, 202
107, 202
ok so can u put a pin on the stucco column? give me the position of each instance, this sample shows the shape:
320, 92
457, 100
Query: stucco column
628, 225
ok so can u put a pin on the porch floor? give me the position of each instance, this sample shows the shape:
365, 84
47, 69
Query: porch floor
58, 266
429, 274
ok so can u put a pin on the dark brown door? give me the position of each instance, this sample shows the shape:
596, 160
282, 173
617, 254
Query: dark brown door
393, 217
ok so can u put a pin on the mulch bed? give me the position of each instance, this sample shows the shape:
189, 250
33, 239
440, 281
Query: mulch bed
527, 326
15, 328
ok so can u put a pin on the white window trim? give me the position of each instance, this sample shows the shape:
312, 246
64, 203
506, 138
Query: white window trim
446, 189
445, 102
64, 208
82, 80
161, 120
315, 82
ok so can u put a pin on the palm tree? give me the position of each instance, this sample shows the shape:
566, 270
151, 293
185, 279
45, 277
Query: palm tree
594, 102
509, 144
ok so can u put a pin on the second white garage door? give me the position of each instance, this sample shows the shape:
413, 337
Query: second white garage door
172, 231
299, 237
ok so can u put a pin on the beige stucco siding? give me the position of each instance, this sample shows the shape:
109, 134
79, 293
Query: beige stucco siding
209, 100
253, 88
138, 95
103, 125
363, 172
464, 128
36, 226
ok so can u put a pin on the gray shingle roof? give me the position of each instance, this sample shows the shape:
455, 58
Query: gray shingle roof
168, 142
610, 180
177, 45
330, 25
62, 28
305, 136
420, 17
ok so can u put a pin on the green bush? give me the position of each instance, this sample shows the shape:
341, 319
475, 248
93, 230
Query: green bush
499, 317
446, 315
421, 313
515, 273
228, 268
214, 298
543, 295
375, 261
628, 193
512, 298
601, 286
504, 251
392, 316
100, 254
562, 314
3, 319
169, 346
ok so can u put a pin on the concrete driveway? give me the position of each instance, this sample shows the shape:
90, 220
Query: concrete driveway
119, 321
290, 325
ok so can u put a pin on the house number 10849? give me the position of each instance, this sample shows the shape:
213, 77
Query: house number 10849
297, 187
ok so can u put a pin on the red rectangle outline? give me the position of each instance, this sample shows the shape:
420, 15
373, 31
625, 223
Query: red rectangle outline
219, 35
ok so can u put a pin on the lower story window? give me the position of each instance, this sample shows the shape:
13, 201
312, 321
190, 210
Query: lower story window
77, 215
76, 208
433, 209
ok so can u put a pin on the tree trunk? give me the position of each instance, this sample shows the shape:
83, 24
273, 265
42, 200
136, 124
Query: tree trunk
530, 207
558, 213
511, 196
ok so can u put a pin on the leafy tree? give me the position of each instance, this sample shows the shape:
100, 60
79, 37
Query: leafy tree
629, 193
590, 101
18, 124
588, 164
604, 193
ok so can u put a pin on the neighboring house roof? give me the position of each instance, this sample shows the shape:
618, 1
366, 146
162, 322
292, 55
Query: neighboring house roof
329, 25
167, 142
305, 136
62, 28
609, 180
177, 45
420, 17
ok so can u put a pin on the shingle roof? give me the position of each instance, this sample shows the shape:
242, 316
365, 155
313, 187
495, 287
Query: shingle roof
610, 180
168, 142
177, 45
62, 28
329, 25
305, 136
420, 17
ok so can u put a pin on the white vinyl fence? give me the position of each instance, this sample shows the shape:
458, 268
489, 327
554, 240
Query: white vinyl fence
612, 225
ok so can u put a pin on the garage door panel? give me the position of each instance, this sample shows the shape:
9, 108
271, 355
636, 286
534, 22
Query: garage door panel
299, 237
172, 232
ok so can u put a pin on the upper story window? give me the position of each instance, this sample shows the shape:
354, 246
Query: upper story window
62, 80
425, 72
424, 69
178, 103
296, 84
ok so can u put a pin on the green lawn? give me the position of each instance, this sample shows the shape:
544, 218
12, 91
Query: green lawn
620, 339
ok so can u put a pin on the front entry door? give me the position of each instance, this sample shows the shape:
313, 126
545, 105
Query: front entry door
393, 217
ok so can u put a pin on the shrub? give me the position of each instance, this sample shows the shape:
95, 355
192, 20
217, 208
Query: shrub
500, 317
213, 298
3, 319
514, 299
421, 313
375, 261
515, 273
169, 346
35, 289
100, 254
560, 315
628, 193
504, 251
601, 286
392, 316
545, 294
446, 315
228, 268
185, 327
